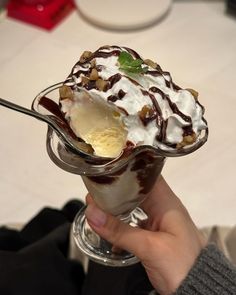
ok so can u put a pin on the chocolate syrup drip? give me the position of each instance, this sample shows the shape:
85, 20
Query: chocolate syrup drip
162, 135
128, 149
147, 167
109, 46
114, 79
147, 120
172, 105
98, 54
176, 87
158, 112
203, 109
119, 96
133, 81
54, 108
175, 110
123, 110
104, 54
156, 73
113, 98
103, 179
133, 52
188, 130
156, 105
168, 84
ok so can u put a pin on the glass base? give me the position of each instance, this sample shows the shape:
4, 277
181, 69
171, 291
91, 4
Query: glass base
98, 249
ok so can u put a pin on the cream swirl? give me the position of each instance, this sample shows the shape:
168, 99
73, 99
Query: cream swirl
153, 110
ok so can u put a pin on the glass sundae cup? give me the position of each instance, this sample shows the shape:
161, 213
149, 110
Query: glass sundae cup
118, 186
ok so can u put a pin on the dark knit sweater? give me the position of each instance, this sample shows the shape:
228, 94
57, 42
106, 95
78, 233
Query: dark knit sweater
211, 274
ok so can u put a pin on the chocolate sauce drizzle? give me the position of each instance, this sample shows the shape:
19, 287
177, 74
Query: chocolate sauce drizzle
114, 79
147, 167
172, 105
119, 96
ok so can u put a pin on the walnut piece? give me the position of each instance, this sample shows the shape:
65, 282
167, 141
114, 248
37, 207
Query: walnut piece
65, 92
85, 56
84, 80
193, 92
146, 112
187, 140
93, 63
150, 63
94, 75
101, 84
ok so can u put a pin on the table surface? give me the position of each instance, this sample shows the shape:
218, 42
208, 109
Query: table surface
196, 42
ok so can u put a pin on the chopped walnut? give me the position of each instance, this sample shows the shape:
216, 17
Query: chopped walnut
65, 92
187, 140
84, 80
94, 75
101, 84
146, 112
180, 145
150, 63
93, 63
86, 55
193, 92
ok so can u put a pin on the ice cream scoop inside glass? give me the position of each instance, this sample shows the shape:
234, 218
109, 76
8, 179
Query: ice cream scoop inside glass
118, 185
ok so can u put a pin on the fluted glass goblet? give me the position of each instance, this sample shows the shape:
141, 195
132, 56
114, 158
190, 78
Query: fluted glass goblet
117, 186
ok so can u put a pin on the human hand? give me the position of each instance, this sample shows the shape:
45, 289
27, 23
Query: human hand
167, 244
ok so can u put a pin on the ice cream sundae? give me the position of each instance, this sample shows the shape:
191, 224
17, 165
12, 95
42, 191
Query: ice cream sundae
113, 97
128, 111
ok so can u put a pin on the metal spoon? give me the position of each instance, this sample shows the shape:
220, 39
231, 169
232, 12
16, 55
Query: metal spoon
53, 122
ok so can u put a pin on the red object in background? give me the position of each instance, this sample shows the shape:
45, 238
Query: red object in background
33, 2
43, 13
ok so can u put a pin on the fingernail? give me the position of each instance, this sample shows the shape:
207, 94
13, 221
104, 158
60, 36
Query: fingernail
95, 216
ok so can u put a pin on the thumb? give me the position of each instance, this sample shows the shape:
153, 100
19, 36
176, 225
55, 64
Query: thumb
118, 233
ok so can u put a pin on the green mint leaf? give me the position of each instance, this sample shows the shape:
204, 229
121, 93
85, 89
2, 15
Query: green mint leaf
130, 65
124, 58
136, 63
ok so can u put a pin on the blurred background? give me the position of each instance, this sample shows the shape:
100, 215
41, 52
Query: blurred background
42, 40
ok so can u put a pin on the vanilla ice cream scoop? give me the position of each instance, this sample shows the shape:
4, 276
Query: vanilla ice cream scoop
96, 122
113, 97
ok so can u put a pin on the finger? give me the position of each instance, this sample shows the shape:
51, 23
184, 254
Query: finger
164, 209
160, 197
88, 199
118, 233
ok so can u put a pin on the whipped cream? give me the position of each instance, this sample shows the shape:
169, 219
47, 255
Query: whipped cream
152, 109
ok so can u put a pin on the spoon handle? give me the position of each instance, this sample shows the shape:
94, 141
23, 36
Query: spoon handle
60, 132
21, 109
38, 116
